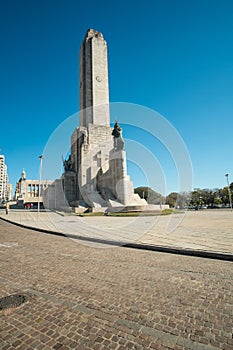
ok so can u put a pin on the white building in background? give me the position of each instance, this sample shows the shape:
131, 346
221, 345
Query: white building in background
10, 191
4, 195
27, 191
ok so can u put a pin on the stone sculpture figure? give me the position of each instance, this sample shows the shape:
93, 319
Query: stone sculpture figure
67, 164
117, 134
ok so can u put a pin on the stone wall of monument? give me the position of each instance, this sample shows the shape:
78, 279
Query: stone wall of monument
90, 150
69, 185
99, 134
86, 96
54, 197
101, 172
114, 182
94, 89
100, 81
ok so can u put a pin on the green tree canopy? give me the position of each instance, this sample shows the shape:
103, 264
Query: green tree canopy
151, 196
171, 199
231, 187
198, 197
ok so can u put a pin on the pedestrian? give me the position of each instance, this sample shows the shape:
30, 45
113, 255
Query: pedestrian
7, 208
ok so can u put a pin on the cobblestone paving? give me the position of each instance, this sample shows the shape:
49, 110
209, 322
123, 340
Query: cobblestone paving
203, 230
95, 298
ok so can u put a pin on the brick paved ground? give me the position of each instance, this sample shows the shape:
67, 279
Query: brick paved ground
205, 230
94, 298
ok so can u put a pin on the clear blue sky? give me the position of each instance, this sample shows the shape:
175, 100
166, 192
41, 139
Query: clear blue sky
172, 56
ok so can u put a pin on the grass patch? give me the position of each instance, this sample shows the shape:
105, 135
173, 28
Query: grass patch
91, 214
167, 211
171, 211
133, 213
136, 213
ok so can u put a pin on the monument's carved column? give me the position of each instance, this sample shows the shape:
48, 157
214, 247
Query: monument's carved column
94, 90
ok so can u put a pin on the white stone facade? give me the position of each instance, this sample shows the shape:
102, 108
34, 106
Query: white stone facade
4, 195
27, 191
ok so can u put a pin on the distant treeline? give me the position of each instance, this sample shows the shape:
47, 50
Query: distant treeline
217, 197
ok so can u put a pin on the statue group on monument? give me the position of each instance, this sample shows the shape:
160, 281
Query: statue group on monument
118, 140
67, 164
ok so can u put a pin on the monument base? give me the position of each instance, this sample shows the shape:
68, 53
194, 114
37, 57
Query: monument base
69, 185
149, 208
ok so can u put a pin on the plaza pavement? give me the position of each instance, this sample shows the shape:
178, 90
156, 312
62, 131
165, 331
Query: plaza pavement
191, 231
88, 298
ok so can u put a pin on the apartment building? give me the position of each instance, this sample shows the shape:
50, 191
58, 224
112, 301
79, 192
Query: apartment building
4, 189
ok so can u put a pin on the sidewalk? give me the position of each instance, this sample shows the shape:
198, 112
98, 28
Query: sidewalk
118, 298
206, 233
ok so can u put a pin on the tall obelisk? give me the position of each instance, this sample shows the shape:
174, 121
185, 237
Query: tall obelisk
98, 157
94, 90
95, 175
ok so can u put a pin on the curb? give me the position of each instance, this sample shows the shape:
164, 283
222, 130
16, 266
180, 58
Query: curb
33, 228
142, 246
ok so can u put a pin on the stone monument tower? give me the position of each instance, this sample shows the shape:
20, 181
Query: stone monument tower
94, 89
98, 159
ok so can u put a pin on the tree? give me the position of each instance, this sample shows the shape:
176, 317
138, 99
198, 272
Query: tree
183, 200
151, 196
171, 199
217, 201
207, 196
224, 195
231, 187
201, 197
179, 200
196, 197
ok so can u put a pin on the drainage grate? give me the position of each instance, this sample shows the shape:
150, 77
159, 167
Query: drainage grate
12, 301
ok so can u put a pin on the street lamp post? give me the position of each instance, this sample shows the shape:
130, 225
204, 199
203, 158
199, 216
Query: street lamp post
39, 192
229, 192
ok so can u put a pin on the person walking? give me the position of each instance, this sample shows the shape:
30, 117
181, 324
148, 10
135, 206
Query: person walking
7, 208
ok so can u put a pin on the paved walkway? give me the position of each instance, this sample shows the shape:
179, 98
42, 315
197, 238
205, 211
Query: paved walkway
209, 230
84, 298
